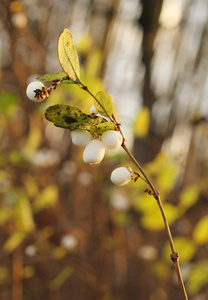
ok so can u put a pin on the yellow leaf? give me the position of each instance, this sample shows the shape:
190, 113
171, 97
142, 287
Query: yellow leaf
47, 198
5, 215
14, 241
94, 64
142, 122
160, 269
152, 219
106, 101
61, 278
30, 185
85, 44
184, 246
23, 214
145, 204
68, 55
28, 272
166, 177
33, 141
189, 196
4, 274
200, 234
198, 277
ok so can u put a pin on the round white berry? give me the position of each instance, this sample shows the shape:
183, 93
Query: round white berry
93, 110
119, 201
30, 250
112, 139
69, 242
30, 91
94, 152
121, 176
80, 137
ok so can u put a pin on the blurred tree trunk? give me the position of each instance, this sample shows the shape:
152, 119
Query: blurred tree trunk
146, 148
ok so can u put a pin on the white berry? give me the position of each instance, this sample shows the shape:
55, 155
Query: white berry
30, 250
30, 91
112, 139
80, 137
69, 242
121, 176
93, 110
94, 152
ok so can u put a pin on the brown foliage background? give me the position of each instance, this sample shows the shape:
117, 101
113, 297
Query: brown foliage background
66, 232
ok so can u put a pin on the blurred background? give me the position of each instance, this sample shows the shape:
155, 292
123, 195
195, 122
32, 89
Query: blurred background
66, 231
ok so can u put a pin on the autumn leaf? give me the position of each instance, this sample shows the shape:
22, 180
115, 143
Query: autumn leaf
68, 56
70, 117
106, 102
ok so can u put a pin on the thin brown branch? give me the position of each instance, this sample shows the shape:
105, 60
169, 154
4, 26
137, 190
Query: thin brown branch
85, 88
17, 285
174, 255
175, 259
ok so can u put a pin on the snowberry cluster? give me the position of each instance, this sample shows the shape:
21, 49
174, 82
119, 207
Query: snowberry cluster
94, 151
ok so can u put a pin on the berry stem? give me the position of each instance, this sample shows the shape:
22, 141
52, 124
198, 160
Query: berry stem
85, 88
174, 255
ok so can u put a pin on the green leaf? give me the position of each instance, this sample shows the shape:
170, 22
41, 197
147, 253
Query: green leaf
68, 55
200, 233
62, 76
68, 81
70, 117
106, 102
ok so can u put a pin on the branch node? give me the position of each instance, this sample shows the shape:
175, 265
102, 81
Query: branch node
174, 257
84, 87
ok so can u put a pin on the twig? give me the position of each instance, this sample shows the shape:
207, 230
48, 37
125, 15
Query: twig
85, 88
174, 255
